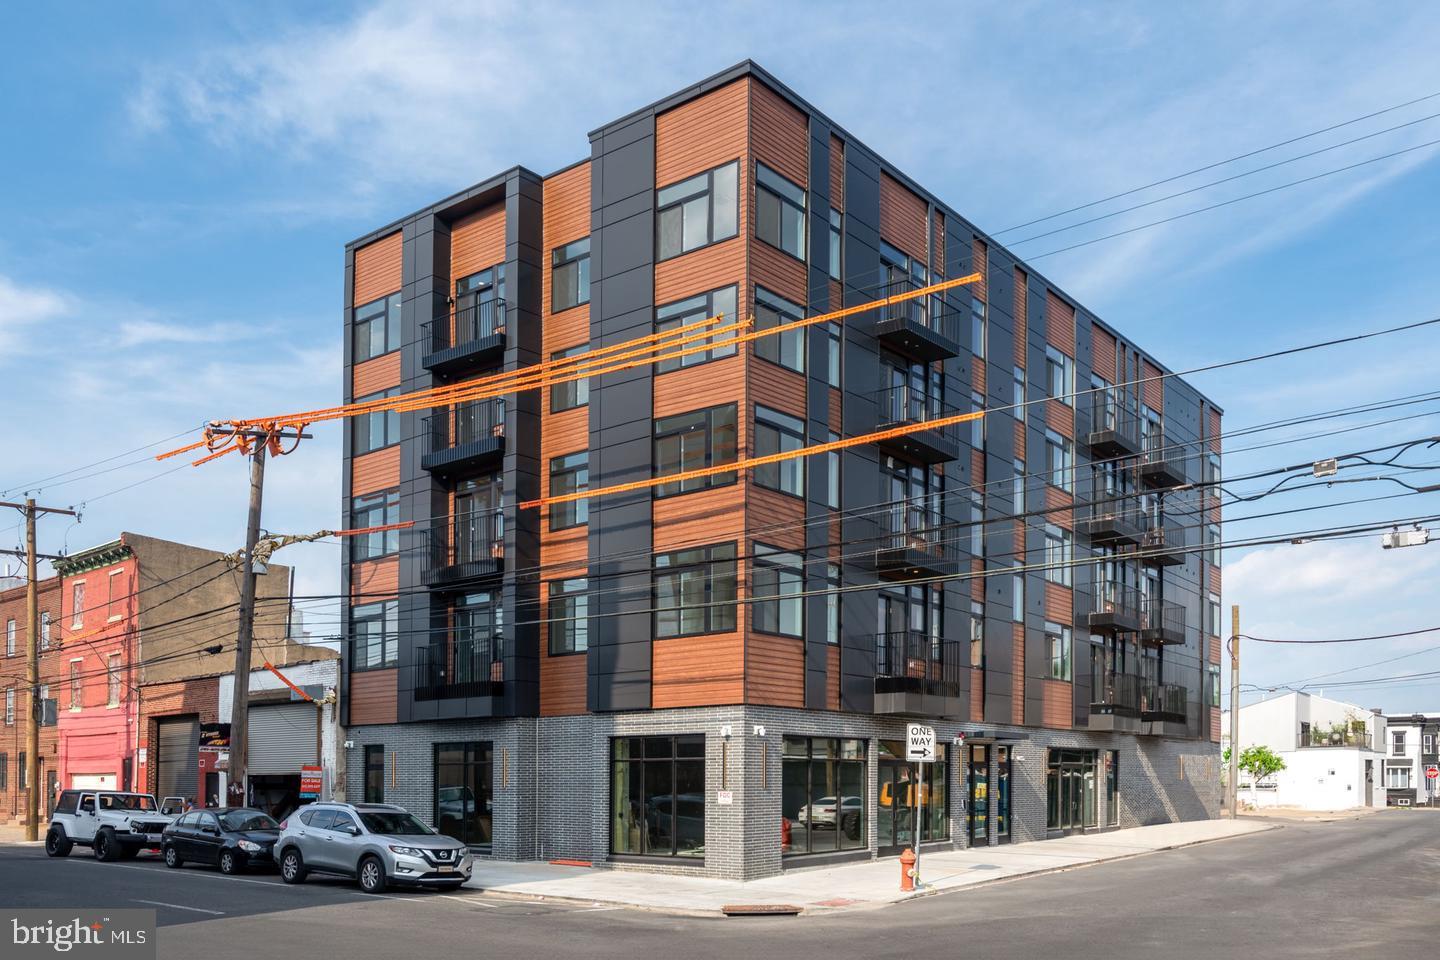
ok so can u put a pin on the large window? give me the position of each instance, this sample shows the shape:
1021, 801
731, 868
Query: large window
695, 591
1059, 554
777, 580
1059, 460
377, 328
1019, 390
569, 616
376, 629
832, 354
977, 634
9, 638
786, 349
1019, 496
836, 234
978, 334
570, 275
77, 685
575, 393
779, 211
464, 797
833, 583
696, 212
374, 510
977, 426
372, 431
823, 788
690, 441
1060, 376
45, 630
1070, 789
569, 474
77, 605
716, 303
9, 706
1212, 543
898, 795
777, 432
1212, 615
1212, 676
1057, 642
1017, 592
1397, 743
1397, 778
374, 773
657, 796
832, 473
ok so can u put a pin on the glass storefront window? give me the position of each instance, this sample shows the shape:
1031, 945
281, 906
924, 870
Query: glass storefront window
897, 796
822, 795
464, 798
1112, 787
657, 796
1070, 789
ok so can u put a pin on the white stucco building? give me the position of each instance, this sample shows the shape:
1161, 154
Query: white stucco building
1333, 752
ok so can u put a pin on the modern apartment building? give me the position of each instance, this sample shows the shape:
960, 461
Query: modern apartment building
716, 674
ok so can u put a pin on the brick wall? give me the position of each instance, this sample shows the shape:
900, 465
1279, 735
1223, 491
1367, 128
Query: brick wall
159, 701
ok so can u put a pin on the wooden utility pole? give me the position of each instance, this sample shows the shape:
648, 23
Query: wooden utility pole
32, 665
240, 698
1234, 709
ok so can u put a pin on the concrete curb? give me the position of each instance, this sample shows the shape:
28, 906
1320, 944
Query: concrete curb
815, 911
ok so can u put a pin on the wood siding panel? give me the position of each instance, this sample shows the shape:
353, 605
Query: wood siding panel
477, 241
1059, 603
1059, 324
1102, 353
567, 219
977, 695
1022, 315
375, 579
1019, 428
377, 269
832, 678
1154, 388
1057, 501
977, 375
372, 376
1060, 417
938, 261
775, 671
702, 133
1055, 706
703, 270
373, 696
1214, 724
779, 134
1213, 433
837, 174
778, 388
697, 671
562, 684
779, 273
775, 519
903, 218
1212, 652
707, 385
1017, 674
980, 263
375, 471
1214, 579
701, 518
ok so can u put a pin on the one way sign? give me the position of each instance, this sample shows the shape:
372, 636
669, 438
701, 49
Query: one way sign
920, 743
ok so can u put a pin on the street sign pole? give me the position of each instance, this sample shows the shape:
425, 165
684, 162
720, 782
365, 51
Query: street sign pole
920, 750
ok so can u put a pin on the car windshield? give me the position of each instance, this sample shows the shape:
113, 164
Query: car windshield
394, 824
247, 820
126, 801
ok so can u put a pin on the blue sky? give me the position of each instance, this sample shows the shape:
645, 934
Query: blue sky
180, 183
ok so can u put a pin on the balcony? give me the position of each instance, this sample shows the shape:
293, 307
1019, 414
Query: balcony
477, 441
1164, 707
1114, 430
917, 675
1113, 520
1162, 622
1114, 607
1339, 735
1162, 464
912, 542
923, 328
1114, 700
467, 339
472, 666
1164, 543
465, 548
903, 406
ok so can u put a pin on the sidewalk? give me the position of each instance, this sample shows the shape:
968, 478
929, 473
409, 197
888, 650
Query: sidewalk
1312, 816
870, 883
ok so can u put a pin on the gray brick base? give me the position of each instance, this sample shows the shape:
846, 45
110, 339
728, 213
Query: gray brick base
554, 803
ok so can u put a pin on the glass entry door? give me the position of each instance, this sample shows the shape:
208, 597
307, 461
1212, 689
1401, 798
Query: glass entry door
978, 810
1002, 794
1070, 790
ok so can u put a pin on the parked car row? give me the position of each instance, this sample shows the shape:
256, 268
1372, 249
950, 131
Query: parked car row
376, 844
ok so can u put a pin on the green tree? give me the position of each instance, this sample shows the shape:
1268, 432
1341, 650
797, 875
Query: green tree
1259, 761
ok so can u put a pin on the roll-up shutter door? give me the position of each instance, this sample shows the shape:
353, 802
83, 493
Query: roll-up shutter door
178, 770
282, 738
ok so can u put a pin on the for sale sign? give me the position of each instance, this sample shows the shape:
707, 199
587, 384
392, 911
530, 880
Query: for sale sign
920, 743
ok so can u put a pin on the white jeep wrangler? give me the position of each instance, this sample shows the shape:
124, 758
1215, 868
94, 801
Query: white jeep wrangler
114, 825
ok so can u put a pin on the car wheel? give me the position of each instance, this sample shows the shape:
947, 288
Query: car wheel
107, 849
172, 857
229, 862
372, 875
292, 867
57, 844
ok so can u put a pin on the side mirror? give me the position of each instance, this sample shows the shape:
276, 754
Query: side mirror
350, 830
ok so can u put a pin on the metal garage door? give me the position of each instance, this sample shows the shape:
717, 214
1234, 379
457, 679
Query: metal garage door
178, 764
282, 738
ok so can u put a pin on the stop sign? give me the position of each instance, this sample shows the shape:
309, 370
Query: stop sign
1432, 772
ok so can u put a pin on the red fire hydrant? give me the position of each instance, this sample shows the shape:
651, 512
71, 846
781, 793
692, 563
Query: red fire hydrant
907, 870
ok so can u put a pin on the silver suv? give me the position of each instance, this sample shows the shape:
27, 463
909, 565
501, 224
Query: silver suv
376, 843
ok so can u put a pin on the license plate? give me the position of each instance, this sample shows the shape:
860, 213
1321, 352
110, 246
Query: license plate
445, 869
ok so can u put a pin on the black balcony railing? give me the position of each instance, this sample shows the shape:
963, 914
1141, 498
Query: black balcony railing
470, 666
1164, 543
1115, 520
1162, 463
466, 546
1114, 606
912, 662
1164, 702
471, 432
1162, 621
1335, 737
1114, 428
1114, 694
902, 405
909, 535
923, 326
478, 321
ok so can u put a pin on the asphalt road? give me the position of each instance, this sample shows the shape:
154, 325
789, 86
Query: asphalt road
1345, 889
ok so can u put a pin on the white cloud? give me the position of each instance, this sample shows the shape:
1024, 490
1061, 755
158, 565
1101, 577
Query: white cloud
22, 307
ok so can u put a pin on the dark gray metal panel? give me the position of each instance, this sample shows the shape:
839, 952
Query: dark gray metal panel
818, 426
622, 300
